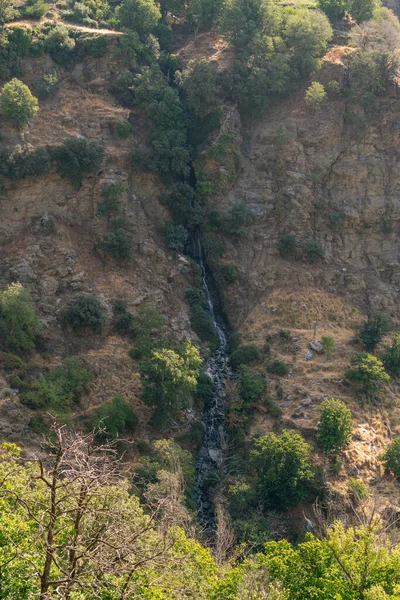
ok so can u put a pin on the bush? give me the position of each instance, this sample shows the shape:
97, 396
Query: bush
372, 332
391, 357
114, 419
17, 103
37, 10
368, 371
287, 245
85, 313
252, 386
328, 344
336, 219
124, 323
283, 469
278, 367
391, 457
124, 129
176, 237
315, 95
314, 251
202, 324
239, 218
195, 296
110, 205
76, 157
46, 86
141, 16
357, 490
60, 46
25, 161
334, 9
361, 10
19, 325
60, 388
227, 274
115, 244
334, 428
8, 11
200, 84
244, 355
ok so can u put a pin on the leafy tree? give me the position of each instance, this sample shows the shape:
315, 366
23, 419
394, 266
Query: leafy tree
114, 419
206, 12
334, 9
139, 15
8, 11
368, 371
315, 94
200, 85
283, 468
169, 378
76, 157
85, 313
115, 244
60, 45
373, 331
391, 357
391, 457
19, 325
25, 161
328, 344
361, 10
17, 103
334, 428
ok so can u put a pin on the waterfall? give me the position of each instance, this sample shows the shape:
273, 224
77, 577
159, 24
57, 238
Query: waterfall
210, 460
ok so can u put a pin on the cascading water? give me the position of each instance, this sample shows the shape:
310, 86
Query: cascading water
211, 456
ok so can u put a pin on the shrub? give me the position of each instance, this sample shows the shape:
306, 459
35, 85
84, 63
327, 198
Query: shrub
25, 161
227, 274
334, 428
357, 490
244, 355
372, 332
115, 244
278, 367
287, 245
334, 9
334, 89
19, 325
315, 95
391, 457
85, 313
37, 10
46, 86
60, 45
8, 11
328, 344
314, 251
368, 371
60, 388
124, 323
336, 219
202, 324
17, 103
141, 16
361, 10
114, 419
200, 84
94, 46
283, 469
110, 205
176, 237
239, 218
195, 296
124, 129
252, 386
76, 157
391, 357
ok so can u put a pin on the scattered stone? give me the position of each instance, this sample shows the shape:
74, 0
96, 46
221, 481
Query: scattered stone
317, 347
215, 455
354, 471
306, 402
287, 404
309, 355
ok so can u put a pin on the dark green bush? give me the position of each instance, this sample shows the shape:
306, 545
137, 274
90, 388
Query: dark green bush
124, 129
124, 323
252, 386
25, 161
176, 236
227, 274
239, 218
391, 457
77, 157
202, 324
391, 357
373, 331
314, 251
334, 428
19, 325
244, 355
17, 103
204, 390
46, 85
336, 219
93, 46
195, 296
278, 367
85, 313
37, 10
114, 419
60, 46
287, 245
110, 205
115, 244
368, 371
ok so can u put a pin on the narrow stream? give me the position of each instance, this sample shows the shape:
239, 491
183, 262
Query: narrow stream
210, 460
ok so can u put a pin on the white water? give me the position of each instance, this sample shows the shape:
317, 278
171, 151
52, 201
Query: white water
212, 453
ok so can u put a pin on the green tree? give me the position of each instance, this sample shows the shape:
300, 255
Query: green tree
169, 378
141, 16
115, 244
283, 469
391, 357
334, 9
315, 95
391, 457
373, 331
114, 419
176, 236
334, 428
85, 313
8, 11
17, 103
362, 10
19, 325
200, 84
206, 12
368, 371
76, 157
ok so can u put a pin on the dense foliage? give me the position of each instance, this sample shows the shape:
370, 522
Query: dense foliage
17, 103
334, 427
85, 313
19, 325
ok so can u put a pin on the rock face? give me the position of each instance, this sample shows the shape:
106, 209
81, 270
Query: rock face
313, 176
